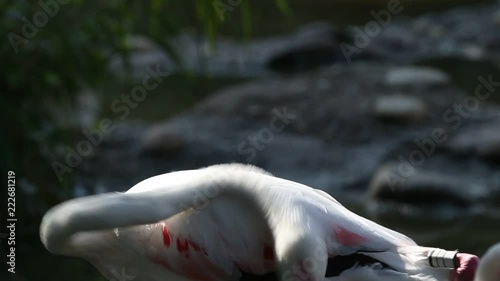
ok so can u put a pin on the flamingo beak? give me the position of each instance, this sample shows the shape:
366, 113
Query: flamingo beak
466, 270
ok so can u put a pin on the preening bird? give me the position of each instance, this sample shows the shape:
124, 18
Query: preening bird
489, 268
238, 222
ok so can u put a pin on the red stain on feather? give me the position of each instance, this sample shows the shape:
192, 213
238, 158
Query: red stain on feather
348, 238
166, 236
183, 245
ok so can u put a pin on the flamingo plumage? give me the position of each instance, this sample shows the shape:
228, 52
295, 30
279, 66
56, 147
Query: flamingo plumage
231, 221
489, 267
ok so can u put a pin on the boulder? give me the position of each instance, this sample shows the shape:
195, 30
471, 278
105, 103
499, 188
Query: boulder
161, 141
400, 108
420, 187
416, 76
314, 44
482, 141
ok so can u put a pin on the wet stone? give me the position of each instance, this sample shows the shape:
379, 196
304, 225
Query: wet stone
415, 75
402, 108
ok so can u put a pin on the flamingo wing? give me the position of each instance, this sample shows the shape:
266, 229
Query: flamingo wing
212, 223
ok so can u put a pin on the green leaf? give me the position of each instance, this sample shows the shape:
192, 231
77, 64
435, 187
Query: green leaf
284, 7
52, 79
246, 19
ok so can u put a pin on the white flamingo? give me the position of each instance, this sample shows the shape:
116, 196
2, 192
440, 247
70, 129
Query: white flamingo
489, 267
234, 222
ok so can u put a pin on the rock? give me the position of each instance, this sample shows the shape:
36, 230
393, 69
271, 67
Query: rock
416, 76
319, 29
420, 187
161, 141
473, 52
400, 108
483, 142
316, 44
303, 56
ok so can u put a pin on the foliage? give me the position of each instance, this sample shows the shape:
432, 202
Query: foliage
54, 48
47, 61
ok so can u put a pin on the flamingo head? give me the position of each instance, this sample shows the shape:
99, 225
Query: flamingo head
467, 267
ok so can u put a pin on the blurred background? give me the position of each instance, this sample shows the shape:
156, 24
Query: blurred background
390, 106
